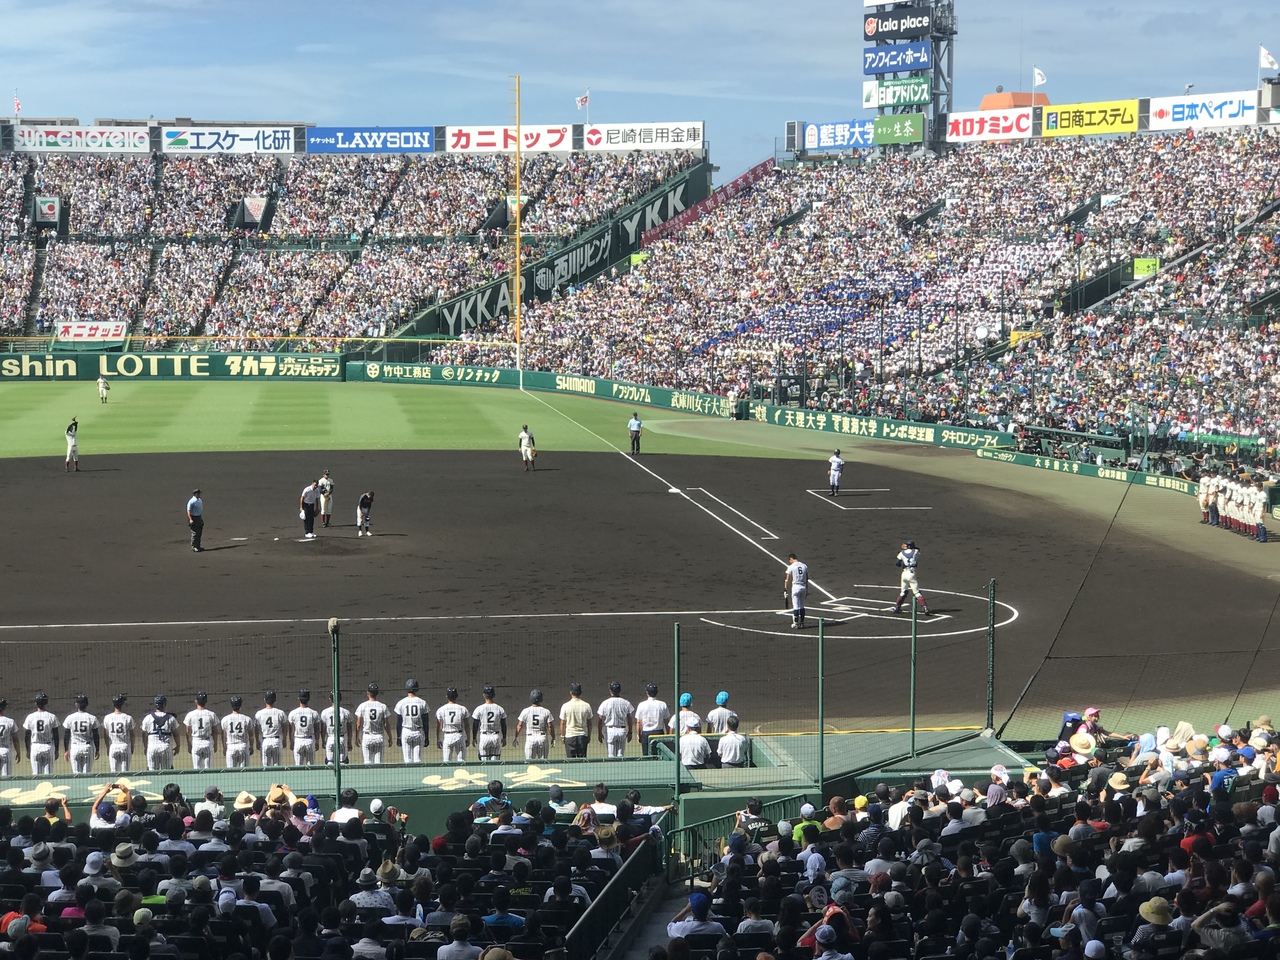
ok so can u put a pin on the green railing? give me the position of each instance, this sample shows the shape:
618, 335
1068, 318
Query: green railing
696, 848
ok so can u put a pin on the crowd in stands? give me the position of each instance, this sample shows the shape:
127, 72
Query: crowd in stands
1120, 846
269, 294
197, 193
91, 281
108, 196
182, 290
16, 262
13, 170
272, 876
334, 196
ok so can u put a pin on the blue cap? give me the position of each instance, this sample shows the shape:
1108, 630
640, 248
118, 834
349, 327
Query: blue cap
686, 699
722, 698
699, 905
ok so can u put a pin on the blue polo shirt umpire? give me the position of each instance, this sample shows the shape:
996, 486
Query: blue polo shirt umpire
195, 519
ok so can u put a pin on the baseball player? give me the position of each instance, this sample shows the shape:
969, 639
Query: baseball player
307, 502
82, 737
202, 732
362, 515
301, 731
160, 726
635, 427
373, 723
238, 734
270, 722
718, 719
103, 387
41, 737
120, 735
1202, 494
1214, 480
834, 471
9, 753
908, 558
652, 716
528, 448
411, 723
795, 587
489, 726
617, 718
336, 723
452, 729
538, 725
325, 486
1262, 501
73, 455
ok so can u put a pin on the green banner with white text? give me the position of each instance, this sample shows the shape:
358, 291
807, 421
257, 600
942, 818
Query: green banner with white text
171, 366
1078, 469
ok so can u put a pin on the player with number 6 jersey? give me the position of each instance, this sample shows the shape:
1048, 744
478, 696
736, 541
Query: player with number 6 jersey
411, 723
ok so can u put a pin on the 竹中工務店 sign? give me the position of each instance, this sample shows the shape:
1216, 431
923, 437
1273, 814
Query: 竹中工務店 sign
907, 91
1081, 119
899, 128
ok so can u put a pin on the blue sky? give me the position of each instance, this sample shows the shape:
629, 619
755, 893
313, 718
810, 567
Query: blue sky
744, 67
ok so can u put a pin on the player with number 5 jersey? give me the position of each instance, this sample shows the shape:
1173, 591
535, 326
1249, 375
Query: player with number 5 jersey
538, 724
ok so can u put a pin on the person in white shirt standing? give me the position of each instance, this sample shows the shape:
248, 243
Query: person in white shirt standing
617, 717
411, 723
718, 719
908, 559
372, 725
694, 748
202, 730
270, 721
238, 734
307, 502
160, 727
9, 753
489, 726
635, 427
103, 388
303, 721
336, 721
73, 449
734, 749
41, 737
834, 471
83, 737
795, 587
528, 449
120, 735
652, 715
539, 727
451, 728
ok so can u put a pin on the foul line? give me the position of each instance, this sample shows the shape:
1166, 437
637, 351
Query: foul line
767, 534
673, 488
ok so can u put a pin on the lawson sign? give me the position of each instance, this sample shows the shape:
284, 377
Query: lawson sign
1204, 110
371, 140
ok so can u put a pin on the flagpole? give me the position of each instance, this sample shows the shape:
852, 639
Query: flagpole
1257, 86
589, 103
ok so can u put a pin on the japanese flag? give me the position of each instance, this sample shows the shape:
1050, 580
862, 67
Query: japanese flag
1265, 60
1038, 79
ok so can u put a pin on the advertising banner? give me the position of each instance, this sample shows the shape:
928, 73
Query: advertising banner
908, 91
1203, 110
897, 58
584, 259
1077, 469
81, 139
841, 135
736, 187
371, 140
534, 138
898, 128
1144, 267
1081, 119
48, 211
85, 330
227, 140
900, 23
643, 136
968, 126
172, 366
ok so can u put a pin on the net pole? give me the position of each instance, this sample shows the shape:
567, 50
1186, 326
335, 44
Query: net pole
675, 666
991, 654
822, 704
517, 278
337, 709
914, 615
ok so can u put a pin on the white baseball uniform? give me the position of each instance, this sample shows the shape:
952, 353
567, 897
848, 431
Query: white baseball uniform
304, 720
413, 712
103, 387
373, 736
160, 726
201, 722
326, 495
526, 445
43, 727
72, 448
718, 719
81, 725
652, 716
489, 731
271, 720
237, 732
453, 741
834, 471
7, 729
119, 730
798, 572
537, 720
909, 557
332, 729
615, 715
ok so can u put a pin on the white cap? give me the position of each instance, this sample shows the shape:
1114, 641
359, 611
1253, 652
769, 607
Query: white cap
1220, 754
376, 807
807, 810
1095, 950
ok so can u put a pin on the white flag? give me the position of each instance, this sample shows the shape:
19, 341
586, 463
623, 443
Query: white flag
583, 100
1038, 78
1265, 60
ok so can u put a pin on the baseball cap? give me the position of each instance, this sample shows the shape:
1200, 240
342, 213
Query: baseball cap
376, 806
615, 687
556, 793
575, 687
807, 810
825, 934
1095, 950
488, 690
212, 793
860, 803
651, 689
695, 724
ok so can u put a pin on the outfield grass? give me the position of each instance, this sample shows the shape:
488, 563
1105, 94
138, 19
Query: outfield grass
187, 416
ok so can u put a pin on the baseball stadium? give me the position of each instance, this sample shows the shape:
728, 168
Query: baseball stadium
887, 524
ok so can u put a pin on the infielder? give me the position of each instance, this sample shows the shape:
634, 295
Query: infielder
652, 716
452, 729
238, 733
489, 726
103, 387
617, 717
908, 558
411, 723
83, 738
270, 723
362, 515
9, 752
834, 471
337, 723
41, 737
795, 587
528, 448
120, 735
538, 725
372, 725
635, 427
325, 486
202, 732
303, 721
160, 726
73, 455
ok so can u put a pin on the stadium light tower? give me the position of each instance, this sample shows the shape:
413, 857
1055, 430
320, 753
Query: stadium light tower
943, 40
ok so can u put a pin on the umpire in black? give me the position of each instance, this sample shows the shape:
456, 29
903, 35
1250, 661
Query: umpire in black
195, 519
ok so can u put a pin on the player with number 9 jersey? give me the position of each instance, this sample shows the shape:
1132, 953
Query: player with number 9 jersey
303, 726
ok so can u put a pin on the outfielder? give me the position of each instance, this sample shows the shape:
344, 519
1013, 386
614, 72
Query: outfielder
451, 728
362, 515
489, 726
202, 732
238, 734
8, 750
41, 737
617, 717
325, 486
73, 455
336, 722
411, 723
83, 738
120, 735
372, 725
103, 387
539, 727
160, 725
270, 722
795, 586
303, 721
528, 448
834, 471
908, 558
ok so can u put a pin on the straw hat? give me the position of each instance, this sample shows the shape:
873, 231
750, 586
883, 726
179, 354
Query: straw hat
1156, 910
1118, 781
245, 801
1083, 742
606, 837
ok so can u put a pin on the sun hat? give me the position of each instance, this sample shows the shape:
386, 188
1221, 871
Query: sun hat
389, 872
367, 878
1118, 781
1156, 910
124, 855
245, 801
